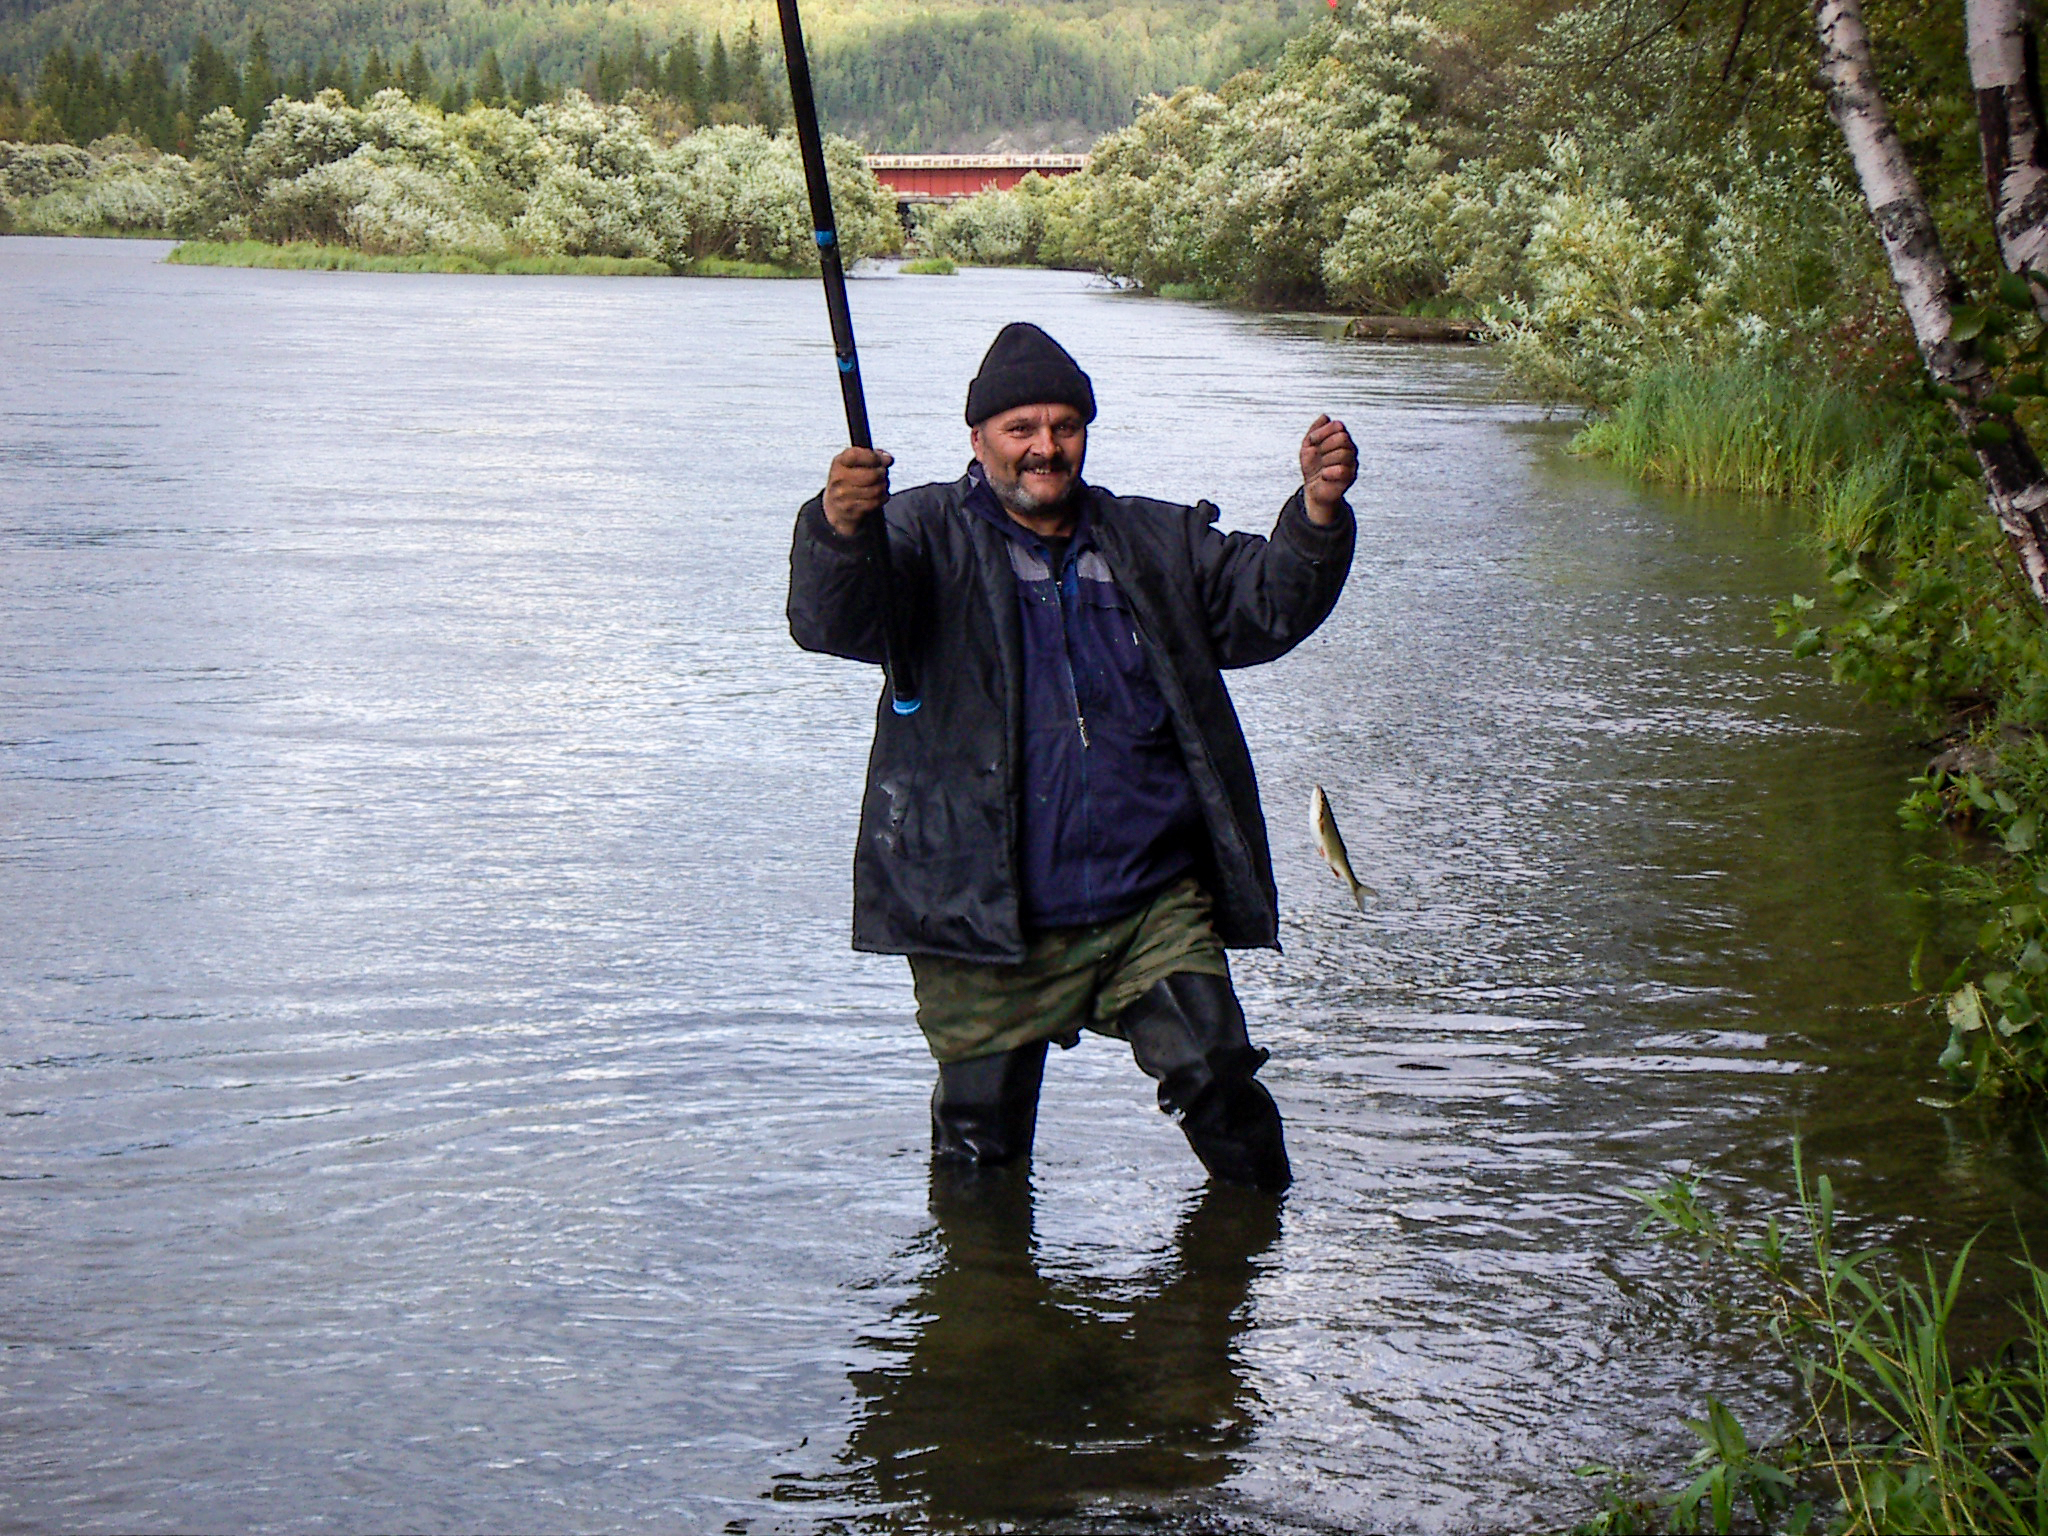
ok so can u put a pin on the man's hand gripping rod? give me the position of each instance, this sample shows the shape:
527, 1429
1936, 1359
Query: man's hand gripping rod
903, 696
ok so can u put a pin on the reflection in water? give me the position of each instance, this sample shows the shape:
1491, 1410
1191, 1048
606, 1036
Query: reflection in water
1025, 1394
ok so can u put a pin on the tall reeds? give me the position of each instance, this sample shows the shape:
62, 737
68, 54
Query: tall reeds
1738, 427
1896, 1431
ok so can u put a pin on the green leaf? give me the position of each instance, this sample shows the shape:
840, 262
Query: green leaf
2026, 385
2015, 290
2019, 837
1728, 1438
1808, 642
1990, 434
1966, 1010
1966, 321
2001, 402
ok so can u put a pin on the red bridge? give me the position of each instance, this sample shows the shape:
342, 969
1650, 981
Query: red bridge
946, 178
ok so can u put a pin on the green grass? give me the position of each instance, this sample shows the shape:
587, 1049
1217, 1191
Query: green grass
720, 266
1195, 292
305, 256
1736, 427
1897, 1430
929, 266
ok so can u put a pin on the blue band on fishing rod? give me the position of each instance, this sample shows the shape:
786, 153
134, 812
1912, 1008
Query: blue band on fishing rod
846, 365
824, 237
906, 706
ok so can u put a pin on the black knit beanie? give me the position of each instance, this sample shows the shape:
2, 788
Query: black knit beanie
1024, 366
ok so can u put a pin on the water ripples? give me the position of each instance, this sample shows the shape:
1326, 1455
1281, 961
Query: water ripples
437, 1091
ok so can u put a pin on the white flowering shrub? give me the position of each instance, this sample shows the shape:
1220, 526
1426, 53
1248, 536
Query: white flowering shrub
991, 229
394, 177
1244, 189
31, 170
115, 184
298, 135
743, 194
577, 212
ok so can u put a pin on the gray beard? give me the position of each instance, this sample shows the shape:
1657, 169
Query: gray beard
1016, 499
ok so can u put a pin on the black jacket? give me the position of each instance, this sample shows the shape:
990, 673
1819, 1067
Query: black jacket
935, 870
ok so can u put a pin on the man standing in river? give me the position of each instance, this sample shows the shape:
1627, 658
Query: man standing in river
1066, 835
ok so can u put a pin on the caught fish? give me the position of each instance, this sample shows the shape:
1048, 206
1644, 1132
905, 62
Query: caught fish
1330, 843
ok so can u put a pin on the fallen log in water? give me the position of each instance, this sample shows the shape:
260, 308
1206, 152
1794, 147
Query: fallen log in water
1413, 328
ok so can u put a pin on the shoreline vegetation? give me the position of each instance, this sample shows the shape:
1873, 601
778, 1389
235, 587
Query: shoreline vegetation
399, 185
309, 256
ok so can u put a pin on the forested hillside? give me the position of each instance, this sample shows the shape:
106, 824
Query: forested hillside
891, 75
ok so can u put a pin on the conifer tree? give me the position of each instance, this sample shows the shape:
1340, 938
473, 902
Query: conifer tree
418, 80
259, 82
683, 75
490, 80
718, 76
531, 92
376, 75
332, 76
210, 80
146, 103
748, 88
638, 66
298, 85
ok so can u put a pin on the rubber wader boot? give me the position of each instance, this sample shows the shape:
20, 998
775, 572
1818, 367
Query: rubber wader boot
1188, 1032
985, 1110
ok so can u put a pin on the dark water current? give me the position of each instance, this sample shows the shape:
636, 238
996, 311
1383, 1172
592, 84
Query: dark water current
438, 1092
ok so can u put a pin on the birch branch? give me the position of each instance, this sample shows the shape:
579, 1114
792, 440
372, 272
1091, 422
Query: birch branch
1927, 284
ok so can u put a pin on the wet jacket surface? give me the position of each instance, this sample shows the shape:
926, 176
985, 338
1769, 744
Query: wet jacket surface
938, 866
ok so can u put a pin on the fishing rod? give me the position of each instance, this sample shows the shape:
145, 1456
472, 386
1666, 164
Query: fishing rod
903, 695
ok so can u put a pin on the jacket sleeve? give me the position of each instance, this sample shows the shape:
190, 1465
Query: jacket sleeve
835, 583
1265, 596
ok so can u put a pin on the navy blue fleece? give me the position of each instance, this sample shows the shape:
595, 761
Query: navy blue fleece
1107, 814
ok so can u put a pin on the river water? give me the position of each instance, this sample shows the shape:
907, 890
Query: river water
438, 1091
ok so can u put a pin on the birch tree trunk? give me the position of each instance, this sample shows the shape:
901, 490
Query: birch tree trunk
1927, 285
2005, 70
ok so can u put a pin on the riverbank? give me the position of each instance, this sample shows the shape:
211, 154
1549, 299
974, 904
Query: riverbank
305, 255
484, 190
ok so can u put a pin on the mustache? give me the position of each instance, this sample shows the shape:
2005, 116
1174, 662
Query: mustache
1039, 463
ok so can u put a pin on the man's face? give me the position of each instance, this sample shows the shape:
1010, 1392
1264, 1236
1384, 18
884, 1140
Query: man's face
1032, 455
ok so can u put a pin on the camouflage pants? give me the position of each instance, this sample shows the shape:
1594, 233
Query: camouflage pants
1070, 979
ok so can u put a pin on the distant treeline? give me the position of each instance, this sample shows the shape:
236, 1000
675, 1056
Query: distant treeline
889, 74
79, 96
934, 80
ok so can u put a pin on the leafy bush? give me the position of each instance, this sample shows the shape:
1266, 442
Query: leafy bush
397, 179
114, 185
1243, 189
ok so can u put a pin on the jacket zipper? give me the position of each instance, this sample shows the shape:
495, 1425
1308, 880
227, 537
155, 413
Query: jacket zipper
1059, 590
